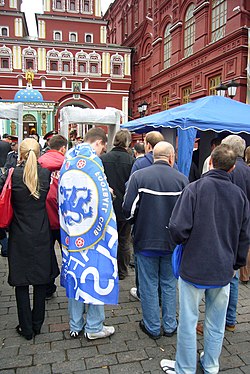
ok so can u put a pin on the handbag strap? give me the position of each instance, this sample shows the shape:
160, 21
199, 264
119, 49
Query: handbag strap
8, 180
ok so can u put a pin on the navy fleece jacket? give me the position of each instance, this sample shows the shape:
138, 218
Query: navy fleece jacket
211, 218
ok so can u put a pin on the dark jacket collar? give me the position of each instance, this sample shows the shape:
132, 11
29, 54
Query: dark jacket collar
119, 149
215, 173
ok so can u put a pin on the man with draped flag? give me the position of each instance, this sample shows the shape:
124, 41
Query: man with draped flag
88, 236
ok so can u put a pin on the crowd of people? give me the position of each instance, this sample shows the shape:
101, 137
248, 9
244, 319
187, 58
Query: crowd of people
103, 206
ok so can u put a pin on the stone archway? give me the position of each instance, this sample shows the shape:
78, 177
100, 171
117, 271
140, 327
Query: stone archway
29, 125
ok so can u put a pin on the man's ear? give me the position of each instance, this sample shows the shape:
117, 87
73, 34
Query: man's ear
231, 169
171, 159
210, 165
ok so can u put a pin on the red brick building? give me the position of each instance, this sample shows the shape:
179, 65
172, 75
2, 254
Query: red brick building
182, 49
71, 60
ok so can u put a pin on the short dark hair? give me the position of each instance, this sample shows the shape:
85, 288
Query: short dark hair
215, 142
6, 136
96, 133
223, 157
139, 148
122, 139
57, 142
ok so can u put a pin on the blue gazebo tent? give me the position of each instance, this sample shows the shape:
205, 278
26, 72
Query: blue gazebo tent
214, 113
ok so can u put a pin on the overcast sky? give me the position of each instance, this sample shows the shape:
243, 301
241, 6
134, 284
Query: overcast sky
32, 6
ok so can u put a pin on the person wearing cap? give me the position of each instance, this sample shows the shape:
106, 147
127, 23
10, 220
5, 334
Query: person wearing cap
12, 156
47, 137
5, 148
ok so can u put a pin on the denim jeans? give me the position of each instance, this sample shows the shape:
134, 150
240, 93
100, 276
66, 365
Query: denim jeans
94, 316
153, 271
233, 300
216, 301
4, 244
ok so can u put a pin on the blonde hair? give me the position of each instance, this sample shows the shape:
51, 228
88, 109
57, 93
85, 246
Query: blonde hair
29, 153
247, 155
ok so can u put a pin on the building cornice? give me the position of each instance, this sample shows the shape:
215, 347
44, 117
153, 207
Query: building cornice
158, 40
201, 6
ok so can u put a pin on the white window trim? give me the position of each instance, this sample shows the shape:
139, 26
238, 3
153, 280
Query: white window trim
6, 52
113, 62
88, 34
54, 34
82, 7
73, 11
8, 31
56, 9
26, 56
76, 34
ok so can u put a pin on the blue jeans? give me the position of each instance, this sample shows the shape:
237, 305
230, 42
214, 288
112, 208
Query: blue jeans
233, 300
94, 316
153, 271
216, 301
4, 244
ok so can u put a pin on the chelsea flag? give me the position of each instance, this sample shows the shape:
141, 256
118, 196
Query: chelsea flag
88, 229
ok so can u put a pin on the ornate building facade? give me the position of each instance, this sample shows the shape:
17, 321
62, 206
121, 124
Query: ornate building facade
71, 60
182, 49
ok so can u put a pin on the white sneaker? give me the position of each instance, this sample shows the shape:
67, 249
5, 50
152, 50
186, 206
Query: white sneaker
133, 292
104, 333
168, 366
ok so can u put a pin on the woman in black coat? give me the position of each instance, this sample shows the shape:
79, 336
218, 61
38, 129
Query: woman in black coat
31, 258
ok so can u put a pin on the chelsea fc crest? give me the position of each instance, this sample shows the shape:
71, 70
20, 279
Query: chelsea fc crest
85, 204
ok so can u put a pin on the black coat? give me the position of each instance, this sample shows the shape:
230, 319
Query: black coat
31, 257
5, 148
117, 167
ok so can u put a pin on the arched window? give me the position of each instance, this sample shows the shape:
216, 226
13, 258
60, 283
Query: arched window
66, 58
5, 58
29, 59
81, 63
72, 5
117, 65
57, 35
94, 63
219, 18
189, 31
4, 31
73, 37
59, 5
167, 46
88, 38
53, 61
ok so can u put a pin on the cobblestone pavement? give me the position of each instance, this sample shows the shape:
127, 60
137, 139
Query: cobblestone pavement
128, 351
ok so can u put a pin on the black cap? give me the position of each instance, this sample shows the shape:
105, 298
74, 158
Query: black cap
13, 138
50, 134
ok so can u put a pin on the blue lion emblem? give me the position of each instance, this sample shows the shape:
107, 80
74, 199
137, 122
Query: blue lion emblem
73, 204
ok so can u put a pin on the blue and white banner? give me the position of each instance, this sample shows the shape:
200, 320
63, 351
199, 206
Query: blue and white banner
88, 229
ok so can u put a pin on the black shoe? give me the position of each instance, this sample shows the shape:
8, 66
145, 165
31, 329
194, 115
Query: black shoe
143, 328
50, 296
169, 334
19, 331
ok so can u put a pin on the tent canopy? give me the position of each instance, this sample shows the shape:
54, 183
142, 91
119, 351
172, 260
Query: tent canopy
214, 113
108, 116
13, 112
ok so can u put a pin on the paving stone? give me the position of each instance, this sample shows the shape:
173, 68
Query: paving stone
242, 347
246, 358
68, 367
7, 371
131, 356
8, 352
35, 348
65, 344
58, 327
233, 371
38, 369
15, 362
134, 368
49, 337
233, 361
112, 348
93, 371
245, 369
100, 361
78, 353
48, 358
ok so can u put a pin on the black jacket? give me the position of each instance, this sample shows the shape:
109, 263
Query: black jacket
117, 166
5, 148
150, 197
211, 219
31, 256
11, 160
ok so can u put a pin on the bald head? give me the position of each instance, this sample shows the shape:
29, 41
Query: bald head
164, 151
